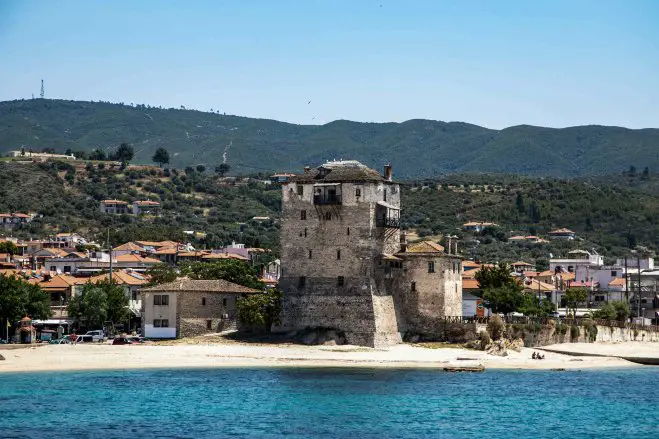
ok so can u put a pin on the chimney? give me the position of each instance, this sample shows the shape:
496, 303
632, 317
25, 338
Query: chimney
455, 250
403, 241
448, 244
387, 172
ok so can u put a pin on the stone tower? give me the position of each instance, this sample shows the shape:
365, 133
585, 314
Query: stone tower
339, 222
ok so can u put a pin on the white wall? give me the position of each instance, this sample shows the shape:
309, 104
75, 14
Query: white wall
151, 332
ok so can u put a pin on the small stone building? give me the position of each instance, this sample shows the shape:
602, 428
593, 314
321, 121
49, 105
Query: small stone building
345, 264
188, 307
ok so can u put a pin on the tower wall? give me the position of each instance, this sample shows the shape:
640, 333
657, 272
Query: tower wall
324, 289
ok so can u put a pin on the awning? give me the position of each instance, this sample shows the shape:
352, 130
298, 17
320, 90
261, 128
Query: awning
53, 322
387, 257
387, 205
327, 184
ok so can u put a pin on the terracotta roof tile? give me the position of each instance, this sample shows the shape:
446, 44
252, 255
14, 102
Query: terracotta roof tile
193, 285
425, 247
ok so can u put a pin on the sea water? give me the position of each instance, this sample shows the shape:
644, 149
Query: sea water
330, 402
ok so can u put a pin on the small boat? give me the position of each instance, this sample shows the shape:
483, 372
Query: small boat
477, 368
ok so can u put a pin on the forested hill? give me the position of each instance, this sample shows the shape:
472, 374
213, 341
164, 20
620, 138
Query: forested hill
416, 148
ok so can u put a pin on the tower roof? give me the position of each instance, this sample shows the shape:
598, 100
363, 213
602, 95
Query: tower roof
338, 171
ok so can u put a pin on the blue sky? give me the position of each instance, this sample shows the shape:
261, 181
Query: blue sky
492, 63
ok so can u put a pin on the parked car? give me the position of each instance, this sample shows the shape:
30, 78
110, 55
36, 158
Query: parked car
63, 340
123, 341
97, 335
85, 339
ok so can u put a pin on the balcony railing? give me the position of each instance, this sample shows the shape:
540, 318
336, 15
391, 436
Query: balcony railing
388, 222
327, 199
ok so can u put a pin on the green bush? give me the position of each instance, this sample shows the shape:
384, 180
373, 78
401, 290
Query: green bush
574, 333
495, 327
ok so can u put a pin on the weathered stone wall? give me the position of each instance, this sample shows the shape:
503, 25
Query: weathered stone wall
193, 315
434, 295
310, 246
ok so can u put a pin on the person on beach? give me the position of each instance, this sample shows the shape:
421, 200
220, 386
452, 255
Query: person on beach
533, 357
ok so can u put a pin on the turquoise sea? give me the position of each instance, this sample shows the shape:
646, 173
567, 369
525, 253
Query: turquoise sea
332, 402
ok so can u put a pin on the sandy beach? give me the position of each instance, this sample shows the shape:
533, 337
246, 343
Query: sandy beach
217, 352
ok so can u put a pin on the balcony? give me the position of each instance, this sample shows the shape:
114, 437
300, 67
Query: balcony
393, 223
327, 199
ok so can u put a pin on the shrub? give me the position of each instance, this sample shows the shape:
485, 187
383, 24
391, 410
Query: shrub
561, 329
574, 333
495, 327
590, 329
485, 339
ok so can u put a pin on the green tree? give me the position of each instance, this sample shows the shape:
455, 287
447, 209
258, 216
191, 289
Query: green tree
222, 169
201, 169
117, 301
533, 306
260, 310
19, 298
231, 270
98, 154
575, 296
124, 153
504, 300
519, 202
161, 156
90, 308
495, 277
8, 247
613, 311
161, 273
36, 302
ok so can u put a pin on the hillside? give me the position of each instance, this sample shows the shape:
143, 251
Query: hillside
416, 148
611, 216
67, 198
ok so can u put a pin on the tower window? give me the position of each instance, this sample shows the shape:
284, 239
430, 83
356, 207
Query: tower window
305, 232
203, 301
209, 324
413, 286
431, 267
300, 190
328, 216
348, 230
385, 195
340, 281
303, 214
301, 282
358, 192
224, 302
310, 252
338, 254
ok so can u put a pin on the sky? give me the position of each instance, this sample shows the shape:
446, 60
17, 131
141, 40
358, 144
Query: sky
492, 63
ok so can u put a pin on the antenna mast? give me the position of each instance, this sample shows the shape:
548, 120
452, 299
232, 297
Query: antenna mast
42, 89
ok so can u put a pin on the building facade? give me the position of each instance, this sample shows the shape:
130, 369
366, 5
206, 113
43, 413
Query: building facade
343, 266
188, 307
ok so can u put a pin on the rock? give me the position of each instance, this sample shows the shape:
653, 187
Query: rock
415, 338
331, 342
497, 348
516, 345
474, 344
1, 357
310, 338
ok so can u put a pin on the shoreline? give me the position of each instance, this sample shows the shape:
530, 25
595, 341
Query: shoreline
212, 354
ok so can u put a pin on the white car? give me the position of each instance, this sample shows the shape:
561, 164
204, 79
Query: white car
97, 335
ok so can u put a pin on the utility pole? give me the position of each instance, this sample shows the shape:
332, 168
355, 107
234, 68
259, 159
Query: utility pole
638, 266
42, 93
626, 282
110, 251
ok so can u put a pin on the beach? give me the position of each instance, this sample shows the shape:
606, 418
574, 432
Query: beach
209, 352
